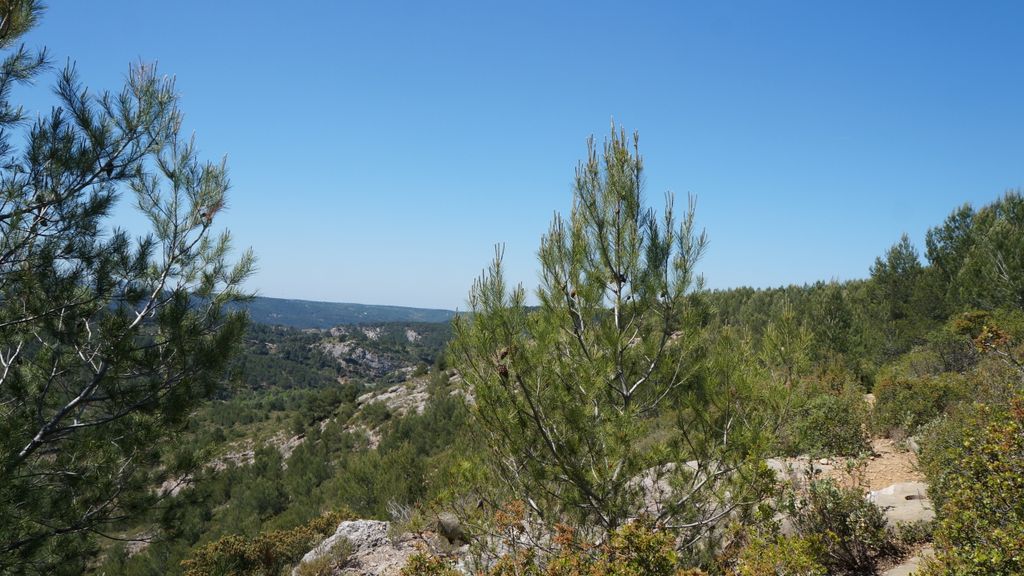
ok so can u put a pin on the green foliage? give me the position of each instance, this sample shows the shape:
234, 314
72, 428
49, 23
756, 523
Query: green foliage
375, 413
107, 343
631, 550
567, 392
896, 292
852, 531
992, 274
329, 469
423, 564
782, 556
831, 424
903, 405
909, 535
785, 347
974, 463
830, 323
955, 352
947, 371
265, 555
948, 246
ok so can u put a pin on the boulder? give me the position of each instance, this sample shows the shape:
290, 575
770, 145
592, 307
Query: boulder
373, 552
449, 526
904, 502
913, 445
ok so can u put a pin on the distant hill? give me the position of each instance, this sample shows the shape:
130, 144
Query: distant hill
308, 314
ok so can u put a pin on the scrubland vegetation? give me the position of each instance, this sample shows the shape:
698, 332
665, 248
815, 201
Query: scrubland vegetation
619, 421
542, 466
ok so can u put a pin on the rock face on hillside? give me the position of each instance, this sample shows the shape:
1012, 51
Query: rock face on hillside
402, 399
372, 552
351, 354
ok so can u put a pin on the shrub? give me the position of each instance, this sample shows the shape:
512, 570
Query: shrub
908, 535
955, 351
375, 413
978, 487
423, 564
782, 556
633, 550
852, 530
830, 424
264, 555
903, 405
636, 549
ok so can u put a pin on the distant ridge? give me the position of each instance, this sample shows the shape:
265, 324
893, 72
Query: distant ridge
309, 314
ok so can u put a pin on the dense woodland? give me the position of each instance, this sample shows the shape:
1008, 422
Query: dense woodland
617, 421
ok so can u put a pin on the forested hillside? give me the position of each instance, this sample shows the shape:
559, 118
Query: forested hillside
309, 314
301, 431
619, 419
317, 427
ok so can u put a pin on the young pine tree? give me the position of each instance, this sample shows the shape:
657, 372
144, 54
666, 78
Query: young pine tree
576, 397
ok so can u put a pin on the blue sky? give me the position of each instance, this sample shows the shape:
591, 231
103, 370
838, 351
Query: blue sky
379, 150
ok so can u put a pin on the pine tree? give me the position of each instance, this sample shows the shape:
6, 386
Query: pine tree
573, 395
106, 343
992, 274
894, 291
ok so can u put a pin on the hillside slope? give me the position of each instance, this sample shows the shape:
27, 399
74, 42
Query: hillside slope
310, 314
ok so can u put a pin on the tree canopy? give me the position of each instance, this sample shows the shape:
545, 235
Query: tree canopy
106, 342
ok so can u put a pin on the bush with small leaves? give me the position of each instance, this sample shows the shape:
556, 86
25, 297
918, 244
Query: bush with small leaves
782, 556
978, 488
375, 413
908, 535
326, 564
264, 555
831, 425
423, 564
903, 405
853, 531
635, 549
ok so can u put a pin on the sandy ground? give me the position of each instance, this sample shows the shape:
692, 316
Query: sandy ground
888, 465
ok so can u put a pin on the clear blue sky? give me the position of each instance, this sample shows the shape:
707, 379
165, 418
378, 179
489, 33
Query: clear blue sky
378, 150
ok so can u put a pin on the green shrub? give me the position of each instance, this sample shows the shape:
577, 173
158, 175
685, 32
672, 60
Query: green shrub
264, 555
908, 535
903, 405
782, 556
633, 550
978, 487
423, 564
917, 363
829, 425
955, 351
375, 413
852, 531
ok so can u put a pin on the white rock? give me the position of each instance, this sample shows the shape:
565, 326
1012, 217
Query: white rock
911, 565
904, 502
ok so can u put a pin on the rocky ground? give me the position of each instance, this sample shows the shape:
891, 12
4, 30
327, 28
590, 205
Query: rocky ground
889, 476
367, 548
889, 464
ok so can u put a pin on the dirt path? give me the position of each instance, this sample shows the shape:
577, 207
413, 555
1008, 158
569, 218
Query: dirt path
888, 465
